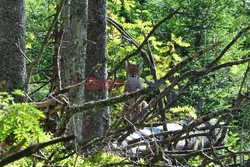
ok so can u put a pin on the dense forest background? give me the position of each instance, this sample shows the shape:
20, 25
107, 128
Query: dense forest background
200, 48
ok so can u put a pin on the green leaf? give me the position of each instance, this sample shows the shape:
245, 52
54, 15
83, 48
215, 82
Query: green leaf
177, 58
18, 92
234, 69
179, 41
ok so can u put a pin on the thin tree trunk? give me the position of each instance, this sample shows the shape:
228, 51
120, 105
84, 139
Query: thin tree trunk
96, 122
73, 63
12, 33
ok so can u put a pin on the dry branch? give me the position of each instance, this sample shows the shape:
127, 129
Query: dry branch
22, 52
50, 101
240, 96
13, 149
143, 43
122, 31
32, 149
189, 59
229, 45
44, 44
234, 154
131, 40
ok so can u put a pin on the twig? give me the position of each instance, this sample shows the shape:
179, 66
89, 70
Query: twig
46, 83
58, 45
65, 157
151, 57
225, 156
43, 69
19, 47
187, 153
45, 42
123, 162
239, 97
189, 59
122, 31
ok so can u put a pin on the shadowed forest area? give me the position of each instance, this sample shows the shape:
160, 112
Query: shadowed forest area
125, 83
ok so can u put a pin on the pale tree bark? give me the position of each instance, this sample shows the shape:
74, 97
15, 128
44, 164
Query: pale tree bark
12, 44
62, 58
96, 122
73, 60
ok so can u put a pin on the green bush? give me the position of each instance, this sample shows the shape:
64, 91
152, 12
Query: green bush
19, 121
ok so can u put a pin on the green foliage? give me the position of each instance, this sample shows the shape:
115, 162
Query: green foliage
186, 111
195, 161
39, 16
21, 120
232, 141
93, 161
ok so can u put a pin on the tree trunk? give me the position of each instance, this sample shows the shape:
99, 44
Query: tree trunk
96, 122
73, 63
12, 33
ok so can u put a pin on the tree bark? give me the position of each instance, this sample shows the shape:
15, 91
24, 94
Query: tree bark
96, 122
73, 63
12, 33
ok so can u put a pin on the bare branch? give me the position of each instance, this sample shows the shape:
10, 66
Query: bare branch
229, 45
122, 31
240, 97
44, 84
13, 149
189, 59
225, 156
49, 102
19, 47
188, 128
45, 42
32, 149
143, 43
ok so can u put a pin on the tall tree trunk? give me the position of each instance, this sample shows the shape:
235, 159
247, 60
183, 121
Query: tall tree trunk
73, 63
12, 33
96, 122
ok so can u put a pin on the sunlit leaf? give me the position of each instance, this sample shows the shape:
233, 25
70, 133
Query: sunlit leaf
177, 58
234, 69
28, 46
